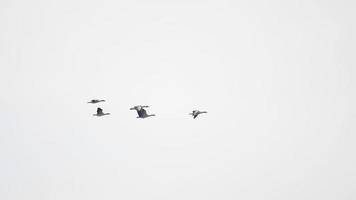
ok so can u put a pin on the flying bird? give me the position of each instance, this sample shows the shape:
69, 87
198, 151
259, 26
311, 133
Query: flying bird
142, 113
99, 112
96, 101
195, 113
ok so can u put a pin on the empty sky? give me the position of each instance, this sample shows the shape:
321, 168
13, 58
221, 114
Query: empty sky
277, 77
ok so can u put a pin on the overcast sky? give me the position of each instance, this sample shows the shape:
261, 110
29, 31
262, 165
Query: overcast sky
277, 78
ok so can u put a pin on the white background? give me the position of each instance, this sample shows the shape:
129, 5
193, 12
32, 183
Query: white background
277, 78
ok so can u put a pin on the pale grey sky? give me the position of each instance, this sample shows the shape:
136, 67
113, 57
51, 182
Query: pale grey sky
277, 78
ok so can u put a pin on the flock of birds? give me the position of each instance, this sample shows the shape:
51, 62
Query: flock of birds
141, 111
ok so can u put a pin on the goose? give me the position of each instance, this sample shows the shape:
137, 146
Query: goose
142, 113
195, 113
99, 112
96, 101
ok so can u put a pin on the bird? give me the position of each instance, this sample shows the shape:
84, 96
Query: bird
142, 113
96, 101
99, 112
195, 113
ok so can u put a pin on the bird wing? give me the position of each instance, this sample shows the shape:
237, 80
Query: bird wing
99, 111
142, 113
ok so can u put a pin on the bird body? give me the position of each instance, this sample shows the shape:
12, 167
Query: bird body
99, 112
195, 113
93, 101
142, 113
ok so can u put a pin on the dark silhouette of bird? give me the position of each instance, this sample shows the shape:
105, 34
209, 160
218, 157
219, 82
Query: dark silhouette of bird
142, 113
99, 112
195, 113
93, 101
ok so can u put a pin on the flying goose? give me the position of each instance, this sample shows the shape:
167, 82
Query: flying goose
142, 113
96, 101
195, 113
99, 112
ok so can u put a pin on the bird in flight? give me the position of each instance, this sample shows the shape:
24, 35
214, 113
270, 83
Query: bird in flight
99, 112
142, 113
195, 113
96, 101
